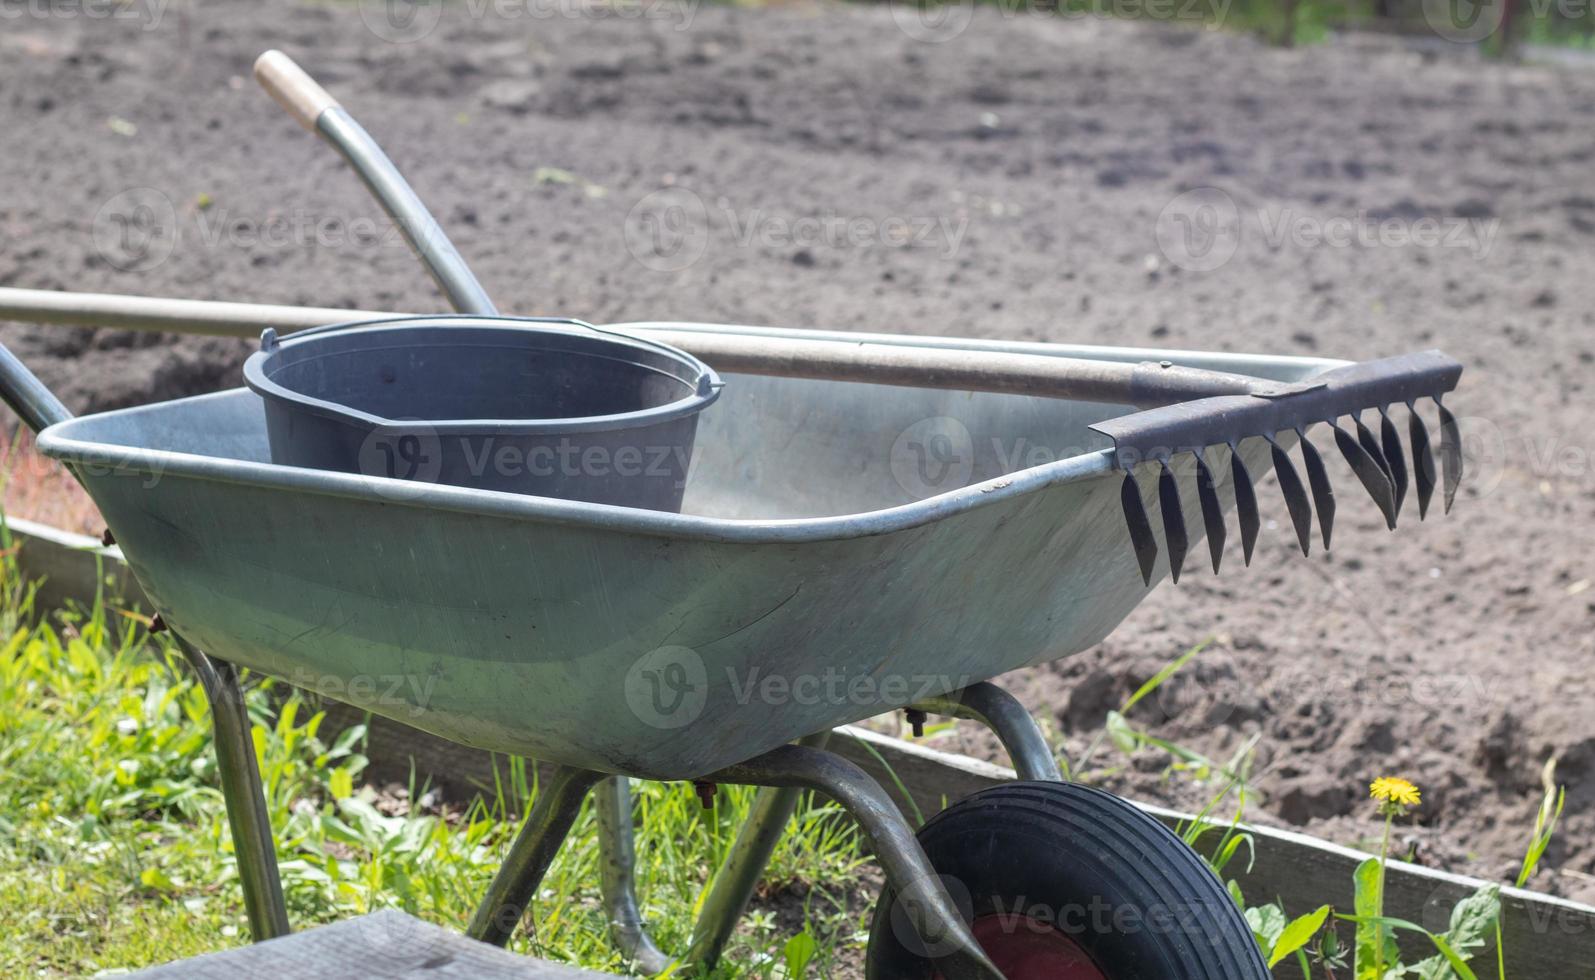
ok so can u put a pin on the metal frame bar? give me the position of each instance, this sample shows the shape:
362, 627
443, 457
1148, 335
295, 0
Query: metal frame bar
617, 884
509, 896
244, 794
394, 193
783, 773
773, 807
736, 880
926, 903
1001, 712
750, 854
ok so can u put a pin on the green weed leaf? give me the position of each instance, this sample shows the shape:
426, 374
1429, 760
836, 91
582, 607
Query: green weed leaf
1298, 933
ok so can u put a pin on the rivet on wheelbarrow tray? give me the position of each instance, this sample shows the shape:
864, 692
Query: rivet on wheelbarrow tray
916, 719
706, 793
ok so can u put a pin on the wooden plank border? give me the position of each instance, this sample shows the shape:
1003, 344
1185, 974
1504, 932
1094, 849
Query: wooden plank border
1547, 938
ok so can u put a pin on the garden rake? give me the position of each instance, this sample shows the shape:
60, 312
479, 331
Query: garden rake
1166, 434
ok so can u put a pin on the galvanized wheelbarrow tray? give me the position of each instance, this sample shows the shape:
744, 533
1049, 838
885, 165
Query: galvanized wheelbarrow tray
803, 550
844, 549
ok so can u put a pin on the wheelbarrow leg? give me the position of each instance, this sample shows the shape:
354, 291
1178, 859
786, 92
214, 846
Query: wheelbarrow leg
750, 855
559, 800
1007, 718
244, 795
617, 857
926, 903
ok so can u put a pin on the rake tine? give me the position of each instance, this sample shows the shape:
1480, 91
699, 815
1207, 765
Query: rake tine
1168, 499
1323, 490
1140, 528
1212, 512
1423, 469
1369, 472
1370, 445
1245, 502
1301, 509
1395, 458
1450, 454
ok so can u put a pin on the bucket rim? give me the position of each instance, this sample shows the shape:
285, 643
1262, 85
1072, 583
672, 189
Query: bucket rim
702, 380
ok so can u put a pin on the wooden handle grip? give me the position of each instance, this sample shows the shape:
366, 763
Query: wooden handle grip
293, 89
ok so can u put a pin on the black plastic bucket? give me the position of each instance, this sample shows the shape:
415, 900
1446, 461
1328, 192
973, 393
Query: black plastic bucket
555, 408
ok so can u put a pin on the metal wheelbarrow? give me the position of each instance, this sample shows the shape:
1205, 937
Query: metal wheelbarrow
870, 522
844, 549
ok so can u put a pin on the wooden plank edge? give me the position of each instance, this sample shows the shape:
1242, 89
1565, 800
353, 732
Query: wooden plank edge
71, 567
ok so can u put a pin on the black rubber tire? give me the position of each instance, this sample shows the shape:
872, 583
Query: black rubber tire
1064, 850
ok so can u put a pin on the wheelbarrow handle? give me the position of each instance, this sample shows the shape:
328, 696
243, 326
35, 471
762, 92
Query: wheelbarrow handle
293, 88
35, 404
320, 113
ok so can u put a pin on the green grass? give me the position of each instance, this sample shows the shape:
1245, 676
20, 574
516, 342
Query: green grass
114, 851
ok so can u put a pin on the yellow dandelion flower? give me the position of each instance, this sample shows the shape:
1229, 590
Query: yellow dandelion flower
1394, 789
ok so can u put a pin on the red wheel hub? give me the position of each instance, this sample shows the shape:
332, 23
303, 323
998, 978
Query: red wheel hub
1029, 949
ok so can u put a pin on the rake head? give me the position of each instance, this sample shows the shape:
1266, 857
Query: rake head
1165, 435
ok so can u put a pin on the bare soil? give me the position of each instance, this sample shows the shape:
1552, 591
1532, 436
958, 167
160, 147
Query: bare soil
1029, 159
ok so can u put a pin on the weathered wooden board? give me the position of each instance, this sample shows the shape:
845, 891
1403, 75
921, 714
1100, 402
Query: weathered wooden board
68, 566
1546, 938
386, 944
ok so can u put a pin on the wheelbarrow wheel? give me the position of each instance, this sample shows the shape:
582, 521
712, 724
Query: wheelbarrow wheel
1065, 882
